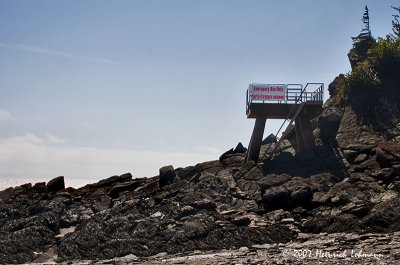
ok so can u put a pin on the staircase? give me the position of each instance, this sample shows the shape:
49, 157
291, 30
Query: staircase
286, 132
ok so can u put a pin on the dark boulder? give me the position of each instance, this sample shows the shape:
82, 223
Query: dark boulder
108, 182
367, 164
187, 211
40, 187
388, 154
251, 189
125, 186
385, 174
195, 229
254, 174
204, 205
167, 175
241, 221
301, 195
328, 123
233, 156
343, 192
233, 159
277, 197
226, 154
272, 180
125, 177
295, 192
239, 149
150, 187
56, 184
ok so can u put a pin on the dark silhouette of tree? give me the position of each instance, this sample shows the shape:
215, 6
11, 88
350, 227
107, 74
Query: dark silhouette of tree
396, 23
365, 34
362, 43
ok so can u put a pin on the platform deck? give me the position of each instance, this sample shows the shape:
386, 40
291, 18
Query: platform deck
281, 110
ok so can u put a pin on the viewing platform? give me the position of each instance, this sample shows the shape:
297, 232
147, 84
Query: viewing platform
260, 105
290, 102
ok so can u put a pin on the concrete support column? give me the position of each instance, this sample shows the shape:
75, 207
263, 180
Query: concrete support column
253, 151
304, 134
299, 137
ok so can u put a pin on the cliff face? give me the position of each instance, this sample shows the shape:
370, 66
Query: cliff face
350, 183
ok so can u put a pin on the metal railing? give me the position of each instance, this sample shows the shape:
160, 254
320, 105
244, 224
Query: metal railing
315, 92
295, 94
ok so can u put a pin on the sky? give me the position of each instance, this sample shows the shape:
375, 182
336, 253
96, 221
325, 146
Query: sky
91, 89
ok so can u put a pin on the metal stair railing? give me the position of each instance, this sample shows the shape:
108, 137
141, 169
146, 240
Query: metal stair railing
300, 107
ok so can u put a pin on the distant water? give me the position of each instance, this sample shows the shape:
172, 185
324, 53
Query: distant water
69, 182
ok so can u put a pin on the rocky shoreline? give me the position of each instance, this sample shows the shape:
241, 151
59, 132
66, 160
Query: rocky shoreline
344, 195
222, 204
323, 248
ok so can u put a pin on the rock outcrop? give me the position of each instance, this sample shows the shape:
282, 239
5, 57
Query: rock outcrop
335, 84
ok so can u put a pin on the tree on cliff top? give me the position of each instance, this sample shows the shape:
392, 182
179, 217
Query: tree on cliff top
396, 24
375, 65
362, 42
364, 39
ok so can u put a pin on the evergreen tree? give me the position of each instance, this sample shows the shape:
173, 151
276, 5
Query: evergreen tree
396, 24
365, 34
362, 43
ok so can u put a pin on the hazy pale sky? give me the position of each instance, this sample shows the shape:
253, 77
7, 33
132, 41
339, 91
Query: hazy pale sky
90, 89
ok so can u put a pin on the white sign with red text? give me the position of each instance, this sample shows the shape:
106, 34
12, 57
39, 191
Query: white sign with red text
268, 92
